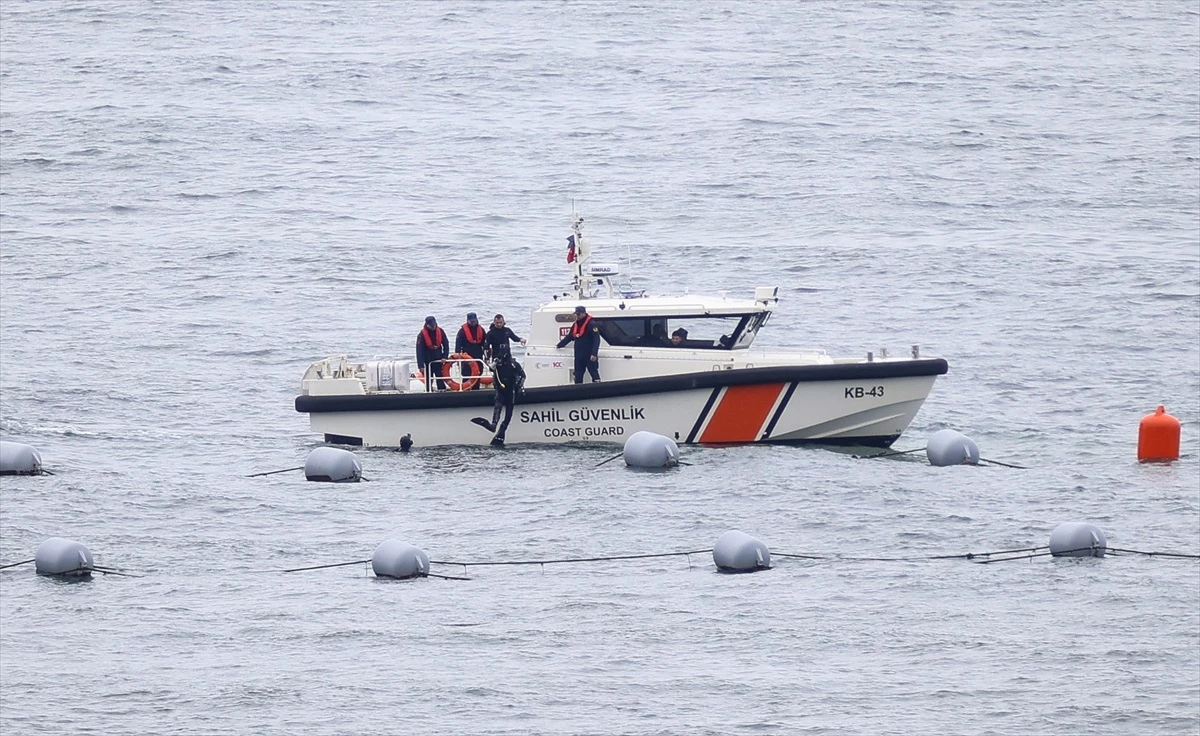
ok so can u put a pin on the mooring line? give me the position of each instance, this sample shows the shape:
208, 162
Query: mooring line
1060, 553
363, 562
1155, 554
891, 453
964, 556
1065, 553
111, 571
322, 567
568, 560
605, 462
982, 558
273, 472
1006, 465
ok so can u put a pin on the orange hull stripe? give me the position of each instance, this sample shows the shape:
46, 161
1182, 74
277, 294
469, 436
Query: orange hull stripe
741, 413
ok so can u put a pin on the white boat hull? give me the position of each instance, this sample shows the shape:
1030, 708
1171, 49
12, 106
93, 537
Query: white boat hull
869, 404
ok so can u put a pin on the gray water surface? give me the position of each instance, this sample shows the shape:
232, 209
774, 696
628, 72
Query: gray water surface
197, 200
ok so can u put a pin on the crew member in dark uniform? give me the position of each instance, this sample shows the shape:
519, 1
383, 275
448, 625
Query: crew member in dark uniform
432, 346
470, 338
586, 336
508, 378
499, 337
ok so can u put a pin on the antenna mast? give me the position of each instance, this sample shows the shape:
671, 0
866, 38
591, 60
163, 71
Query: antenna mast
583, 254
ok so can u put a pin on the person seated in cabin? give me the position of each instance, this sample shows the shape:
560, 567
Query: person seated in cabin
679, 337
432, 347
656, 339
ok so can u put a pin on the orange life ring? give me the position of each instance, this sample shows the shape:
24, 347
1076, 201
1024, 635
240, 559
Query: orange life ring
467, 383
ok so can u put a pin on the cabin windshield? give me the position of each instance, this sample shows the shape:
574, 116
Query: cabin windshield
700, 332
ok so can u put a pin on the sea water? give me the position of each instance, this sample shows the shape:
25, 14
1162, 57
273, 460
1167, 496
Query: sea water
199, 199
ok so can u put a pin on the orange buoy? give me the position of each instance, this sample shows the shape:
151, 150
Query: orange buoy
1158, 437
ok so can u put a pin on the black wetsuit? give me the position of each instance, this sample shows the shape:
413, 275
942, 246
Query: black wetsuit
507, 377
586, 337
498, 339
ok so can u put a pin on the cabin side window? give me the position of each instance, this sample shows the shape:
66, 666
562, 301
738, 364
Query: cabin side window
701, 332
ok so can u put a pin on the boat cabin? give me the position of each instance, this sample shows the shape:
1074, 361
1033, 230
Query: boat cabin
650, 322
636, 334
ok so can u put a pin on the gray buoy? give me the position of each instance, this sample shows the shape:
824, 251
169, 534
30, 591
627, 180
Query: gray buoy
396, 559
19, 459
739, 552
1077, 539
58, 556
650, 450
948, 447
331, 465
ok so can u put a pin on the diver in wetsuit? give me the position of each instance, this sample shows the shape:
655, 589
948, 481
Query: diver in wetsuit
498, 338
508, 378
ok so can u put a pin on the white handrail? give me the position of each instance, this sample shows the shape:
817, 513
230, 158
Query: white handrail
435, 381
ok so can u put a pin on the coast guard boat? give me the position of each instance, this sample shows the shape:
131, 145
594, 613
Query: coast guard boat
711, 387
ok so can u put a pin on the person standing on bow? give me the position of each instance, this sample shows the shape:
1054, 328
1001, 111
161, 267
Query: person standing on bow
498, 338
586, 336
432, 346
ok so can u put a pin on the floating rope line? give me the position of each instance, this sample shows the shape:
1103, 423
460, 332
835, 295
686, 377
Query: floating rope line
614, 457
1155, 554
1029, 556
966, 556
114, 571
1005, 465
922, 449
273, 472
364, 562
1022, 553
982, 558
891, 453
496, 563
1064, 553
322, 567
